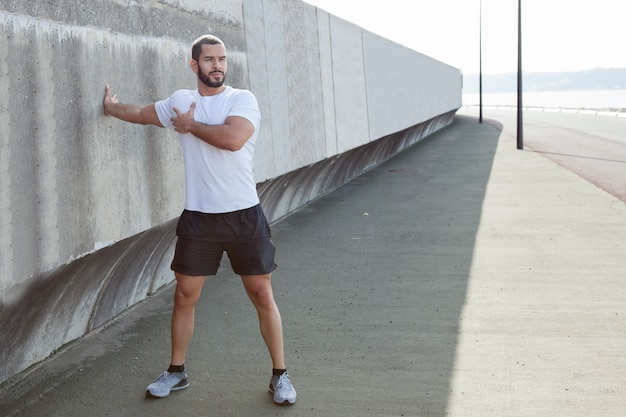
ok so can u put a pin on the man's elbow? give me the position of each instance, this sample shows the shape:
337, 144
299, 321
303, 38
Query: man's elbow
234, 147
148, 116
151, 122
235, 144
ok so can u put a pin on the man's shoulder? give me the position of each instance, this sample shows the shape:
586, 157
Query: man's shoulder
240, 97
238, 91
182, 99
183, 93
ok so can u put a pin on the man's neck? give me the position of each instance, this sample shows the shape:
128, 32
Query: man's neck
210, 91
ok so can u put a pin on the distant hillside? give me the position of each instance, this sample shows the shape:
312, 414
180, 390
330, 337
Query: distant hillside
597, 79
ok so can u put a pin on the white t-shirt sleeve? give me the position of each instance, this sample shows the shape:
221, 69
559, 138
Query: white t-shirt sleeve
180, 100
246, 106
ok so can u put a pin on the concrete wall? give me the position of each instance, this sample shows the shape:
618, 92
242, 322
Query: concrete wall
90, 203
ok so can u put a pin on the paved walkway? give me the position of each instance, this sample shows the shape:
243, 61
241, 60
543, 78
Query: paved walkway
461, 278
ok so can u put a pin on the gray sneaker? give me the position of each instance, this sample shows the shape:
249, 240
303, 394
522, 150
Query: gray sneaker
166, 382
282, 389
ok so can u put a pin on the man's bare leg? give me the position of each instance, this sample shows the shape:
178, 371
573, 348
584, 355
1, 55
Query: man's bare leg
186, 295
259, 290
188, 290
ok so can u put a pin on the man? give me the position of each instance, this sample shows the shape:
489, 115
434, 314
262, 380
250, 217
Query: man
218, 127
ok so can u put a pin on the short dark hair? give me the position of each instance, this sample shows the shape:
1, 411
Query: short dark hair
196, 48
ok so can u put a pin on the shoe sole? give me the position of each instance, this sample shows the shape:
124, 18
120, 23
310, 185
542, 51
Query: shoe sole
286, 402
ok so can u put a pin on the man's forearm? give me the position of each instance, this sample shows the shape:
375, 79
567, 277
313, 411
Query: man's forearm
141, 114
230, 136
220, 136
133, 113
126, 112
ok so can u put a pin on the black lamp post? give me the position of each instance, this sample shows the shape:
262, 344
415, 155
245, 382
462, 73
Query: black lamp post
520, 136
480, 62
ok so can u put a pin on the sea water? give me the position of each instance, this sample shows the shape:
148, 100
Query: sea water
597, 99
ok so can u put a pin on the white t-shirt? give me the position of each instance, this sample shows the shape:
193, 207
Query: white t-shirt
216, 180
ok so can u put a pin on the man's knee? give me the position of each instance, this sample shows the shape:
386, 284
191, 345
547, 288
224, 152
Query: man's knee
188, 290
260, 291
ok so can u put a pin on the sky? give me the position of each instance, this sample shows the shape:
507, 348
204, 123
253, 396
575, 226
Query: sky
557, 35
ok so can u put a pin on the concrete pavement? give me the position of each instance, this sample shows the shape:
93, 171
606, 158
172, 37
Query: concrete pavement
461, 278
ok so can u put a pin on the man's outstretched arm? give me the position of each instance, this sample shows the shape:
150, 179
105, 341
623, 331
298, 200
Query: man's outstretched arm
140, 114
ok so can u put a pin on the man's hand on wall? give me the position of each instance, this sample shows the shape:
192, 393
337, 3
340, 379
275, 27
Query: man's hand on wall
109, 98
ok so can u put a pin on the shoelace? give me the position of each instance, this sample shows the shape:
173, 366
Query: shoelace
162, 377
283, 381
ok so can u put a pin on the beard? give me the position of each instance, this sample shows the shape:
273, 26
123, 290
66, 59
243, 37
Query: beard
206, 79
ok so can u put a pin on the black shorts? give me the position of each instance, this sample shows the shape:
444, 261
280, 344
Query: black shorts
203, 238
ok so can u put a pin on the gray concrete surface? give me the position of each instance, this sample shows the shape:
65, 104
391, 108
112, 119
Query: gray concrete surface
462, 278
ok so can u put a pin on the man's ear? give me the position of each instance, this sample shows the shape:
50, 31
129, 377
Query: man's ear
194, 65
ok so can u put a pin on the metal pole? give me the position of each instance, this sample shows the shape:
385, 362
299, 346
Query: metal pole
520, 135
480, 62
